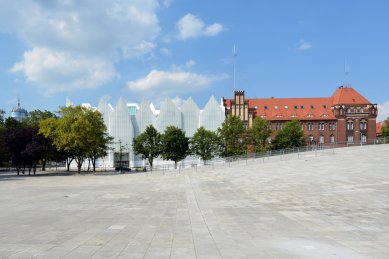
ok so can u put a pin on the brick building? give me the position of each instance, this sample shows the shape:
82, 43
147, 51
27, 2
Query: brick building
344, 117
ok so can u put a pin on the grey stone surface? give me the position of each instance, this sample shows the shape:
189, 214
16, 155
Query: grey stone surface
328, 205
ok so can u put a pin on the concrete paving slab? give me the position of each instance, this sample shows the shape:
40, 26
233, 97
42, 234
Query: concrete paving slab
330, 204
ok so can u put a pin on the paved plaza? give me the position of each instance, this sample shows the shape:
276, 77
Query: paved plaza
329, 205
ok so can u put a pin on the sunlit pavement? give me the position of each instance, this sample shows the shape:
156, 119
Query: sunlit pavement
332, 205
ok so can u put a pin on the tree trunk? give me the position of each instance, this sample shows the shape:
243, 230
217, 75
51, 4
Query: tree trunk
175, 164
79, 162
151, 164
94, 164
88, 164
43, 164
68, 161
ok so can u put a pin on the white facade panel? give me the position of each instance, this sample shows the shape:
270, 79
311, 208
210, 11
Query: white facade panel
121, 129
169, 115
190, 117
212, 117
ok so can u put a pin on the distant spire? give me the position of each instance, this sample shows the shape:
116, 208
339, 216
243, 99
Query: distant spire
18, 102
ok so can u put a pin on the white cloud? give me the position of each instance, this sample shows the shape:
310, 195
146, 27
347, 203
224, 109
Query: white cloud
168, 82
190, 63
190, 26
55, 71
106, 31
166, 52
383, 111
303, 45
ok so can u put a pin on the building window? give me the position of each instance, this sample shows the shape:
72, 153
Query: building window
350, 125
276, 107
325, 106
296, 107
302, 106
310, 139
363, 138
278, 126
266, 107
286, 107
321, 139
363, 125
350, 139
310, 126
302, 126
321, 126
332, 138
312, 107
332, 126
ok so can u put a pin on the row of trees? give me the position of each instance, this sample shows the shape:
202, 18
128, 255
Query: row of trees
77, 134
23, 146
231, 139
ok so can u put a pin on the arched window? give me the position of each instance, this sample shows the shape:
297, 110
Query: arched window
332, 138
321, 139
310, 139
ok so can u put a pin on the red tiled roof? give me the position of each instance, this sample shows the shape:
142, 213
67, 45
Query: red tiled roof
303, 108
292, 108
347, 95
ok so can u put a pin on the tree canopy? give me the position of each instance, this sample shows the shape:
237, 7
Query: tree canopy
259, 135
291, 135
25, 147
233, 136
174, 145
385, 128
80, 131
205, 144
148, 144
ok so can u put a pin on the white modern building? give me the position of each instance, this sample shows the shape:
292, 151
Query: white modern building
126, 121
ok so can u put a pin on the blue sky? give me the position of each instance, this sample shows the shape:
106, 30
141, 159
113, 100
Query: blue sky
150, 49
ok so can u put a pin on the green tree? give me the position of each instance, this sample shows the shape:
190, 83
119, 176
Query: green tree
79, 131
259, 135
233, 136
35, 117
3, 149
385, 129
11, 123
174, 145
2, 117
148, 144
291, 135
205, 144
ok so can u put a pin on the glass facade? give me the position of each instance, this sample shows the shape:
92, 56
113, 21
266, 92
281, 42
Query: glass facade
126, 121
121, 129
190, 117
144, 117
169, 115
212, 117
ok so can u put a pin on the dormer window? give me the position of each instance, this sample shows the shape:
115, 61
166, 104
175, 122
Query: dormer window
325, 106
286, 107
312, 107
276, 107
302, 106
266, 107
296, 106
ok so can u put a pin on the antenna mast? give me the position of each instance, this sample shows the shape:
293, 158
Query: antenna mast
346, 71
234, 55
